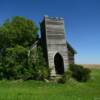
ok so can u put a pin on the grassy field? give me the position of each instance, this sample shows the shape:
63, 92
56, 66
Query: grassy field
96, 66
34, 90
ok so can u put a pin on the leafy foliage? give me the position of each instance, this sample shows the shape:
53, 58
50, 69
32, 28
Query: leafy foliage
17, 30
17, 35
80, 73
14, 61
65, 77
41, 70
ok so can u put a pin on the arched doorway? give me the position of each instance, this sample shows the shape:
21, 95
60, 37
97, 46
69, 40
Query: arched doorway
59, 64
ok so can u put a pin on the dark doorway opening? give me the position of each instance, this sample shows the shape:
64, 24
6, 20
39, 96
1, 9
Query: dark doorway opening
59, 64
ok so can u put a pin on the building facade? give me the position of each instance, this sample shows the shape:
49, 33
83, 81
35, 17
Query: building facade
57, 52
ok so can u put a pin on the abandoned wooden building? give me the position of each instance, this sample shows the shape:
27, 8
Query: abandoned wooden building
57, 51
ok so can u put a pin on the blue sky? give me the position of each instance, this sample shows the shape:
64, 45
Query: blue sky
82, 21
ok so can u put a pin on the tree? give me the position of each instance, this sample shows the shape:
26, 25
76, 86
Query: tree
17, 30
16, 36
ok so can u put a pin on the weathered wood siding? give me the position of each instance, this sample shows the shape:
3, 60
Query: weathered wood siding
52, 33
71, 57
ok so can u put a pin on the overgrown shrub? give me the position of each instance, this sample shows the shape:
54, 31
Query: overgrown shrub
15, 62
1, 73
40, 68
40, 73
80, 73
65, 77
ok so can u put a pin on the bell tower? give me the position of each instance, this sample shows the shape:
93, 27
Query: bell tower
54, 44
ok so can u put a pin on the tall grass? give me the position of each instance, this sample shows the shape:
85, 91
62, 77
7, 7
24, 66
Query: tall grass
36, 90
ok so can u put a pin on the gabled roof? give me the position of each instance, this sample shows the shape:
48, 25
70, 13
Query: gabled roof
71, 48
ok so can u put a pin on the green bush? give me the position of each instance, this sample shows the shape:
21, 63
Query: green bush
15, 62
40, 73
65, 77
1, 73
80, 73
40, 68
